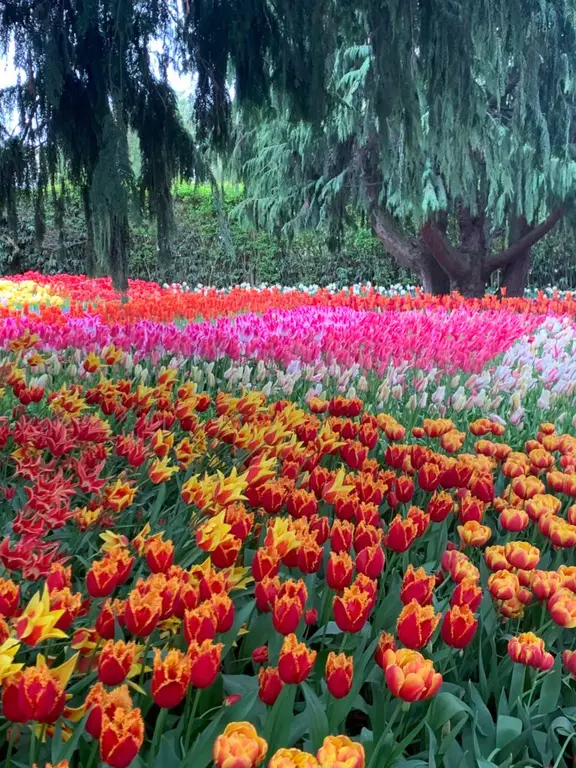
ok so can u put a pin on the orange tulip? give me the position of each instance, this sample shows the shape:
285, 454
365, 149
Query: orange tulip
513, 519
503, 585
522, 554
474, 534
527, 486
495, 558
410, 676
529, 649
292, 758
545, 583
295, 661
341, 752
239, 747
339, 674
569, 661
416, 624
562, 608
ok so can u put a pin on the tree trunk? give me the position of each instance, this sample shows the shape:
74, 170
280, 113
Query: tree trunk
515, 275
163, 236
89, 250
434, 279
118, 256
471, 284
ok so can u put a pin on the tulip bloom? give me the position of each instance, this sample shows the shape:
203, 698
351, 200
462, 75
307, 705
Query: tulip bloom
401, 534
386, 642
339, 751
270, 684
292, 758
569, 661
371, 561
200, 623
37, 693
295, 661
513, 519
417, 585
562, 608
352, 609
239, 745
467, 592
339, 674
440, 506
474, 534
204, 662
142, 613
410, 676
458, 626
287, 611
545, 583
121, 738
529, 649
416, 624
38, 621
495, 558
116, 661
339, 571
170, 678
9, 598
522, 554
503, 585
159, 555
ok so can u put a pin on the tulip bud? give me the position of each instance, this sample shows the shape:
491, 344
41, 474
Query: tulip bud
239, 745
142, 613
458, 626
115, 661
386, 643
417, 585
339, 571
370, 561
529, 649
170, 678
204, 662
270, 685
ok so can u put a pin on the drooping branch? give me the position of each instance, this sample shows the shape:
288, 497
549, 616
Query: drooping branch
500, 260
402, 248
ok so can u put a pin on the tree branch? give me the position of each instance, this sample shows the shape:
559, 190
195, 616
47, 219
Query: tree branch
500, 260
448, 258
406, 250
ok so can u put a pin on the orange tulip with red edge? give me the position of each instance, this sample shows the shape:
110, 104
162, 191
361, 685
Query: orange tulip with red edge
513, 519
159, 555
115, 661
416, 625
102, 578
530, 650
458, 626
339, 674
341, 752
545, 583
410, 676
239, 747
204, 662
495, 558
121, 738
270, 685
295, 661
417, 585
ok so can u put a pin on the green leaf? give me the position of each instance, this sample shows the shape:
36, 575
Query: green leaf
444, 706
65, 750
517, 683
550, 691
279, 720
316, 717
484, 722
507, 729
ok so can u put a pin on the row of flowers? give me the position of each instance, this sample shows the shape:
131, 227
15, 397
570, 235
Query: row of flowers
192, 575
77, 295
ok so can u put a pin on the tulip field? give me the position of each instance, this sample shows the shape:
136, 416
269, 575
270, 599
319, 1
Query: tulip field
302, 528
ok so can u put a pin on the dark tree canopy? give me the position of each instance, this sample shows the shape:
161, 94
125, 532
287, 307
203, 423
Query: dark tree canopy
91, 76
452, 124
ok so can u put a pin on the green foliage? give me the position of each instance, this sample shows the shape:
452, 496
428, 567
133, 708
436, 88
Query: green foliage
199, 251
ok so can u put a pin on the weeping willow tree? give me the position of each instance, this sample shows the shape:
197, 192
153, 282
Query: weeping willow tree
451, 125
95, 69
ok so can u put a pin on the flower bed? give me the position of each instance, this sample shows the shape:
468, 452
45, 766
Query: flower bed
317, 537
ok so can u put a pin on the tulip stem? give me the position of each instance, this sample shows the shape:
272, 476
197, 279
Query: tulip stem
191, 717
10, 747
158, 731
93, 753
33, 742
144, 655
